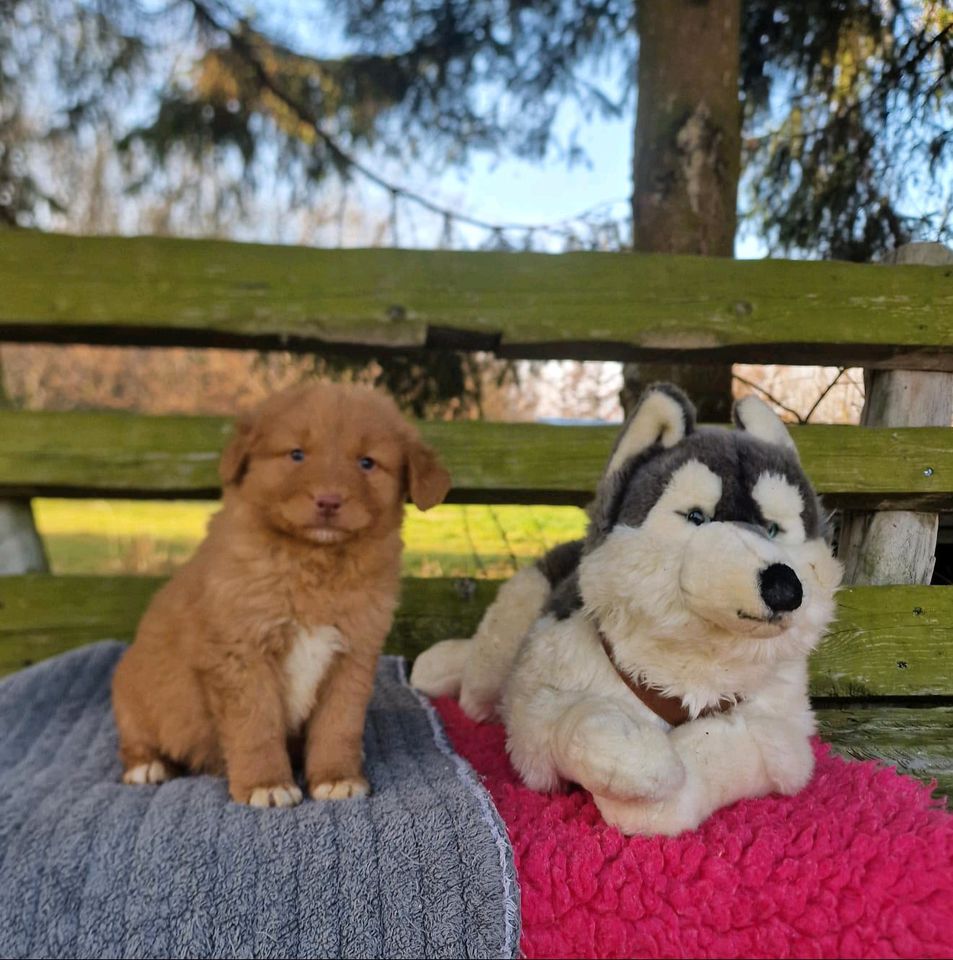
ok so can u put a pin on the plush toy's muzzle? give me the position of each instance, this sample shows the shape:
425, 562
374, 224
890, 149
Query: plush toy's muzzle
742, 581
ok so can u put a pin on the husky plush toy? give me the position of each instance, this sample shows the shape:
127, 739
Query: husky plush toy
661, 662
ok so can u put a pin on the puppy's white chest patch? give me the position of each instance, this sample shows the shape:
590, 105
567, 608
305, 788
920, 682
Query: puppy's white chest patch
305, 665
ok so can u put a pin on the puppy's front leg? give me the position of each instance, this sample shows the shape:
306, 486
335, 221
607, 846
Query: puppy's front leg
335, 736
251, 723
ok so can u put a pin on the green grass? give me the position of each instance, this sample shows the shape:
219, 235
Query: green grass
153, 537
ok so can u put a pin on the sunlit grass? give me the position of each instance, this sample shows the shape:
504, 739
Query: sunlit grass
153, 537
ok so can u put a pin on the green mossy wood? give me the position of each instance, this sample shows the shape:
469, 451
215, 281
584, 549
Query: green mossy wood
100, 454
616, 306
917, 741
887, 641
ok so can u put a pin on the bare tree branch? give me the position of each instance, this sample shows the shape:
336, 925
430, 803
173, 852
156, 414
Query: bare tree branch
824, 393
768, 395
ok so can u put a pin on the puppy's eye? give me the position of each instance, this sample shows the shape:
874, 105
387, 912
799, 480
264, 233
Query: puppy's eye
697, 516
367, 464
297, 455
772, 530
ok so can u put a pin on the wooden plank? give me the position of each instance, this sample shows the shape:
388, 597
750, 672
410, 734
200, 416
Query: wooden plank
579, 305
41, 616
111, 454
888, 641
916, 740
878, 468
124, 455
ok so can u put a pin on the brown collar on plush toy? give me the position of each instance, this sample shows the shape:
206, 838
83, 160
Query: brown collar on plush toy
670, 709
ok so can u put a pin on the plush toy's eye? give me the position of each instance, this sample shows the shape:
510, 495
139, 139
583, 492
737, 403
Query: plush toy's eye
696, 516
297, 455
367, 463
772, 530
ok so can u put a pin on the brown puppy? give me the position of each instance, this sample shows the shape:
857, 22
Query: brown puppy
272, 631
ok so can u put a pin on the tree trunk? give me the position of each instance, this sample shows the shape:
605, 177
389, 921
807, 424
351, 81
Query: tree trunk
21, 549
687, 157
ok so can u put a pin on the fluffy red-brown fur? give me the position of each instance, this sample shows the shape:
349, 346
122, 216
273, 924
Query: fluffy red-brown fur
271, 632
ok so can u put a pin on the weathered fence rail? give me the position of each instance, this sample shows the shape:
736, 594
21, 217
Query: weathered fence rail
887, 641
119, 454
610, 306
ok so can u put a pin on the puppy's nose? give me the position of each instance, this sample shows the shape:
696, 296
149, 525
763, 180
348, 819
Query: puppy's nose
328, 504
780, 588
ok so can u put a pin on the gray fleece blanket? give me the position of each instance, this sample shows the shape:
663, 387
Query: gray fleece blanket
91, 868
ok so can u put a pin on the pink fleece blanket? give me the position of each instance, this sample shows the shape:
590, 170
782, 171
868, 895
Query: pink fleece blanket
860, 864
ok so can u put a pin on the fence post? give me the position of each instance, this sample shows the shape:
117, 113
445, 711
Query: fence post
898, 546
21, 549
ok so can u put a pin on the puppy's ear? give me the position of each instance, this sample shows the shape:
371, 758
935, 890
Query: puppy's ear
427, 479
664, 416
234, 463
755, 417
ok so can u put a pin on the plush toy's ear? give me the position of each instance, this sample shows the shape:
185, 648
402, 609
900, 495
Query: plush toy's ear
234, 463
758, 419
427, 478
664, 416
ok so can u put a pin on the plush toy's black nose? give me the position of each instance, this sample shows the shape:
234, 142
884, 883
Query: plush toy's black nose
780, 588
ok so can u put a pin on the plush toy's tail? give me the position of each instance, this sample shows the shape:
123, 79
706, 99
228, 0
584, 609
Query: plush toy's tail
476, 670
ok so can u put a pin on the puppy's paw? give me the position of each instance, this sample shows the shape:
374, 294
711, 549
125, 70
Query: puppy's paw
342, 789
153, 772
280, 795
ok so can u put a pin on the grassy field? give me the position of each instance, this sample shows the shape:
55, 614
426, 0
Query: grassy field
153, 537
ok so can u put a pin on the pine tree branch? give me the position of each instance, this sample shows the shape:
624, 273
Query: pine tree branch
346, 160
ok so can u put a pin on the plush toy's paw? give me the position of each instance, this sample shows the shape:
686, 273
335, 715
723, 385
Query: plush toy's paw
438, 671
280, 795
788, 759
613, 756
477, 704
154, 772
341, 789
648, 818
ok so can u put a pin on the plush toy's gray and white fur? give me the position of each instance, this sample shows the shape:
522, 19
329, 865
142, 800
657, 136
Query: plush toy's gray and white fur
707, 567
